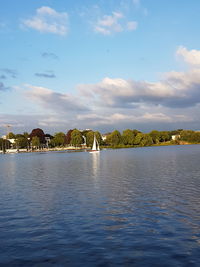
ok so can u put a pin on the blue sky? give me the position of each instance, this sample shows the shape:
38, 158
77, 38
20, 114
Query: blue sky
105, 64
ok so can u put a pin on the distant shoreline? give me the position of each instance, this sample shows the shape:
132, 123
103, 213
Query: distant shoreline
80, 149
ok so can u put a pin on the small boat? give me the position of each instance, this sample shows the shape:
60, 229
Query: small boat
95, 147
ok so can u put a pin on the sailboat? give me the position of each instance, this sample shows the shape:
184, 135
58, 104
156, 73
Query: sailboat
95, 147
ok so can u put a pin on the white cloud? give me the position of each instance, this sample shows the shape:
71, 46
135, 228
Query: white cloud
47, 20
124, 93
118, 119
177, 89
102, 30
111, 119
191, 57
57, 102
52, 121
109, 24
114, 23
156, 117
170, 103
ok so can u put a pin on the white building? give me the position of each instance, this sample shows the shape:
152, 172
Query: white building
12, 140
104, 136
175, 137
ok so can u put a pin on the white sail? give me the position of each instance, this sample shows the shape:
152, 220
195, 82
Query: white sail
94, 147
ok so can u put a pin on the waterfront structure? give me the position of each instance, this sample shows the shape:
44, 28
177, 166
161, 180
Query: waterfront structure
176, 137
104, 136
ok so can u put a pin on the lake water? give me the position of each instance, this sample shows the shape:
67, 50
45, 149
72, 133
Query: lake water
127, 207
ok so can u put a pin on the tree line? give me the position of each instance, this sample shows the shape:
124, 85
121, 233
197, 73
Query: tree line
38, 139
137, 138
74, 137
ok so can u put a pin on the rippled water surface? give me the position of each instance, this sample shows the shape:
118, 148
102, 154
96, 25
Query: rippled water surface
128, 207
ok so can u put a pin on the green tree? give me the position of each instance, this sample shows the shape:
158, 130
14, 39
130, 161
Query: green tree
176, 132
190, 136
89, 138
59, 139
155, 135
142, 139
4, 144
76, 138
138, 139
146, 140
36, 141
197, 137
98, 137
114, 138
1, 143
164, 136
25, 134
10, 135
21, 142
135, 132
128, 137
19, 136
84, 132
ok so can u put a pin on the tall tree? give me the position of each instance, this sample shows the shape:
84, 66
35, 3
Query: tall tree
35, 142
25, 134
114, 138
138, 139
68, 137
98, 137
164, 136
190, 136
10, 135
21, 141
89, 138
142, 139
146, 140
39, 133
76, 138
128, 137
4, 144
155, 135
59, 139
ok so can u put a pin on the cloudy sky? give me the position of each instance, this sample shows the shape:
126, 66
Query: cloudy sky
104, 64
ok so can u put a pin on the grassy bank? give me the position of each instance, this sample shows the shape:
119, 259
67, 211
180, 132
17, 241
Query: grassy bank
168, 143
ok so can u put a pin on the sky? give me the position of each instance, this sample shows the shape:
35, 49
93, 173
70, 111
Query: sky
103, 65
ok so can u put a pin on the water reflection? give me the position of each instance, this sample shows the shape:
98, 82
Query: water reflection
9, 169
115, 208
95, 164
